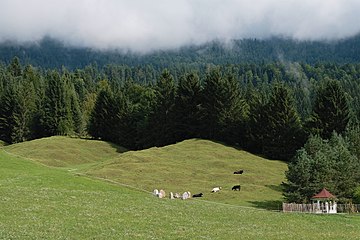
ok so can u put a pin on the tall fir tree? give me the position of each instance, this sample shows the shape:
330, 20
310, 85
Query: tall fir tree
15, 68
282, 133
188, 109
161, 120
224, 109
16, 111
330, 111
141, 100
56, 117
101, 118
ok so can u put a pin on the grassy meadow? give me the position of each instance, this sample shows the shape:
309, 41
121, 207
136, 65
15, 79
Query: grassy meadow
44, 195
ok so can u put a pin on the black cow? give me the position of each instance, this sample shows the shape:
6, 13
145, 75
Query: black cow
197, 195
239, 172
236, 188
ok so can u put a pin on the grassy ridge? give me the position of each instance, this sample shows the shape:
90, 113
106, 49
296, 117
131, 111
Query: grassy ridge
193, 165
66, 152
37, 202
198, 166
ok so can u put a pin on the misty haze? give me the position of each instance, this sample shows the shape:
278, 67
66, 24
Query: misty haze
143, 26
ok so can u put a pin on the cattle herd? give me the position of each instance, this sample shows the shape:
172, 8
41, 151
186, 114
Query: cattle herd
187, 195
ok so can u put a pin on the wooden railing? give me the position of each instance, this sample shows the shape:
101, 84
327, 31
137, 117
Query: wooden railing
314, 208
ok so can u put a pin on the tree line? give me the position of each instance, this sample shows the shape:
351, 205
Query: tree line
268, 109
51, 53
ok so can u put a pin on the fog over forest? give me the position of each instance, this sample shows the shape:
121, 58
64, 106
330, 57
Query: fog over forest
143, 26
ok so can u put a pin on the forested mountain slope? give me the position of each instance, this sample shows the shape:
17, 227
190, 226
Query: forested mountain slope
50, 53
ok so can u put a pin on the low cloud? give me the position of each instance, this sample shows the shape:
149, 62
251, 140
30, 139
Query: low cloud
142, 25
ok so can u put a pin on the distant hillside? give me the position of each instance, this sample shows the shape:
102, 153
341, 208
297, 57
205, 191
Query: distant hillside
50, 53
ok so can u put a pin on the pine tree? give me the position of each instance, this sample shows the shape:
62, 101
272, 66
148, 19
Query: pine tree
188, 107
101, 118
7, 106
56, 118
141, 100
282, 132
224, 109
330, 111
212, 104
161, 120
257, 100
16, 112
15, 67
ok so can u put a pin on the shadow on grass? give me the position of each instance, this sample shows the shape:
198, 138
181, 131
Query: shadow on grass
268, 205
277, 188
118, 148
274, 205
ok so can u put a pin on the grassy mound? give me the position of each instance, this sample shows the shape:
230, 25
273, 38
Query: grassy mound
66, 152
37, 202
198, 166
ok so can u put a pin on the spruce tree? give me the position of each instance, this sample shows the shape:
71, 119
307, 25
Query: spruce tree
330, 111
188, 107
16, 112
101, 118
7, 107
15, 67
56, 117
282, 133
224, 109
161, 120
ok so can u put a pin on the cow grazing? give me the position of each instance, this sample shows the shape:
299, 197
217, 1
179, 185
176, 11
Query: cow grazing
239, 172
216, 189
171, 195
236, 188
161, 194
186, 195
156, 192
197, 195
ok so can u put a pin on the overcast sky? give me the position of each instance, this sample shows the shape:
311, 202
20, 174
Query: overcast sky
145, 25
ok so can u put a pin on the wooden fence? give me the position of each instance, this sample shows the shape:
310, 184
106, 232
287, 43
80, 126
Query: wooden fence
314, 208
348, 208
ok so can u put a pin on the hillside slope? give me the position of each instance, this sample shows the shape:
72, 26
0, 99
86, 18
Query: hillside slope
193, 165
60, 151
38, 202
198, 166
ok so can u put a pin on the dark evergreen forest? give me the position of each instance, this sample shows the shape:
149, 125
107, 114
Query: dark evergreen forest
50, 53
278, 98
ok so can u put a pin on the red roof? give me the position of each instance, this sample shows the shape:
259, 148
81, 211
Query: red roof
324, 194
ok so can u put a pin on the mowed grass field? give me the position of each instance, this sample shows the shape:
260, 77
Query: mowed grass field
42, 202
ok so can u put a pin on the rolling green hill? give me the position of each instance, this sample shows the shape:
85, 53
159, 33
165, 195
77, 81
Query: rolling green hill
198, 166
193, 165
41, 202
66, 152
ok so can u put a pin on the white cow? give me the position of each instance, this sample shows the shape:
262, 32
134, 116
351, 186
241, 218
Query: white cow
185, 195
216, 189
171, 195
161, 194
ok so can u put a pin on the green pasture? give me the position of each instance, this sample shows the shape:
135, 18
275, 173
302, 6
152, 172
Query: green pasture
40, 201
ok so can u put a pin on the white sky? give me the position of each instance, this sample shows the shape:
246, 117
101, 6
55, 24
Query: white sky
145, 25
